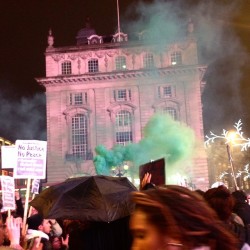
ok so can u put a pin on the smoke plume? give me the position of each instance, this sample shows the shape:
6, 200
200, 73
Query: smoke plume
163, 138
219, 46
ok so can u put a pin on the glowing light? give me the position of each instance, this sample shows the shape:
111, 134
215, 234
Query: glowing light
222, 175
125, 167
235, 138
245, 173
231, 136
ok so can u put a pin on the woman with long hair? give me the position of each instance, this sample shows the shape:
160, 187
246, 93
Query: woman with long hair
173, 217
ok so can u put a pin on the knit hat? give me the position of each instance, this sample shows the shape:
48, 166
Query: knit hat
34, 221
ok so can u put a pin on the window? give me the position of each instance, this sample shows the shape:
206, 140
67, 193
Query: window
66, 68
148, 61
170, 111
78, 98
166, 91
79, 136
122, 95
176, 58
120, 63
93, 65
123, 127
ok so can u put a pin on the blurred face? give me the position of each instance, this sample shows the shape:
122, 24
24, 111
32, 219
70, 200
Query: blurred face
248, 199
56, 244
46, 226
145, 235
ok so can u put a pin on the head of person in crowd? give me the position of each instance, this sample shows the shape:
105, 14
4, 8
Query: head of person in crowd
33, 211
37, 235
56, 242
37, 222
173, 217
239, 196
200, 192
248, 195
221, 200
241, 207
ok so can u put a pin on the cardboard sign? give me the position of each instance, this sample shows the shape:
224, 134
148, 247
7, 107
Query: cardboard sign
9, 157
156, 169
35, 186
31, 159
8, 192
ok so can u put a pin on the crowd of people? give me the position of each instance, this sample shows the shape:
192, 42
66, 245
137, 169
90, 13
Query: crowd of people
167, 217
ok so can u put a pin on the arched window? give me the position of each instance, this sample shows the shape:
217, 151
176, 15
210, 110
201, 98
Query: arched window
93, 65
123, 127
148, 61
66, 68
170, 111
80, 135
120, 63
176, 58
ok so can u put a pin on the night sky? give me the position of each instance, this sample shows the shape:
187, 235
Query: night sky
24, 27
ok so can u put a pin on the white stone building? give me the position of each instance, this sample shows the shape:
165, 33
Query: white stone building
101, 92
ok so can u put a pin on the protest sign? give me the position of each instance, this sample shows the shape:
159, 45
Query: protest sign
35, 186
156, 169
8, 192
31, 159
8, 156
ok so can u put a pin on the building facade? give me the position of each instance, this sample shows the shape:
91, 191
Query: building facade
101, 92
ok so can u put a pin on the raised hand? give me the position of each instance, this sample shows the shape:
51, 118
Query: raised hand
14, 230
146, 179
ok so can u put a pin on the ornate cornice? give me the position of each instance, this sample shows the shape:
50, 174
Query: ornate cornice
135, 74
58, 57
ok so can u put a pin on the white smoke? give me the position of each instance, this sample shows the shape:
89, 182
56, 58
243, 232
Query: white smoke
23, 119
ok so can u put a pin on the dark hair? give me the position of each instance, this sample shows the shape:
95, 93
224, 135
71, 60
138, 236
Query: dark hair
200, 192
52, 238
185, 216
239, 196
34, 221
221, 200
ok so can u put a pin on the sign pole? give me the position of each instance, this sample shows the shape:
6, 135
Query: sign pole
26, 206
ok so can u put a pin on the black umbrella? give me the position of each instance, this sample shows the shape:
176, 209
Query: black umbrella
91, 198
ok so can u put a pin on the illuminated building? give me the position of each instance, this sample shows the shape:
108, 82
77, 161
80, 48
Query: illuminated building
5, 142
104, 92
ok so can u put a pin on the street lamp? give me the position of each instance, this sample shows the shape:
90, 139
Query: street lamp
120, 170
233, 138
231, 135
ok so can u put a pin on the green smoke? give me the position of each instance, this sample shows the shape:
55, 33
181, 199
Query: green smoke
163, 138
